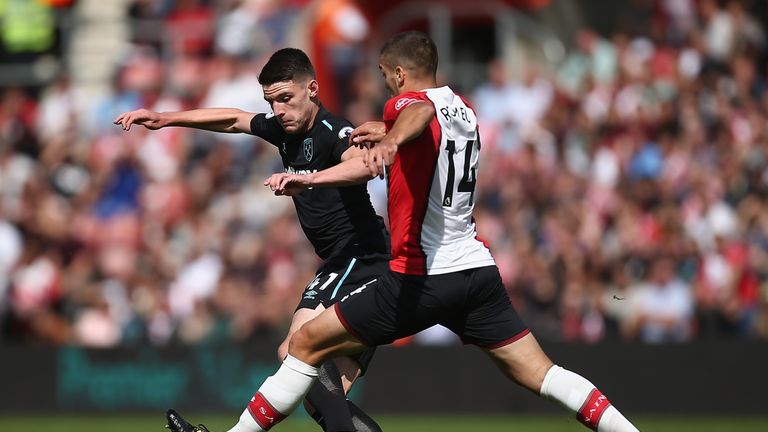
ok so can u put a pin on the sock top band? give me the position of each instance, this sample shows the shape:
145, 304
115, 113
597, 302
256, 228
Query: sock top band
299, 366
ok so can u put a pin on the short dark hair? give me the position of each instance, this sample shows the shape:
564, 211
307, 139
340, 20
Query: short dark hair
412, 50
286, 64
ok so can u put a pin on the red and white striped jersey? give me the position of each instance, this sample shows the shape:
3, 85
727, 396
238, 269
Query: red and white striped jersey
432, 189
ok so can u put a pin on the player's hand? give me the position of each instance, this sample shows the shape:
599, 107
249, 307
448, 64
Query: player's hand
380, 157
287, 184
368, 134
149, 119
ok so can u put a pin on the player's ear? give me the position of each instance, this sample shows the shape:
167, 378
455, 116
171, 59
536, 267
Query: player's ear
400, 73
313, 87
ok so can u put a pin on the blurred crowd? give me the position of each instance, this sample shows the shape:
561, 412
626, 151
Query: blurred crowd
624, 191
110, 237
629, 198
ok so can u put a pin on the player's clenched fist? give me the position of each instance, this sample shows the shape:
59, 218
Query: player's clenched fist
379, 157
149, 119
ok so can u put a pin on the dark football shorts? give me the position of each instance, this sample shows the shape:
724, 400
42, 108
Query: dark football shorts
335, 279
472, 303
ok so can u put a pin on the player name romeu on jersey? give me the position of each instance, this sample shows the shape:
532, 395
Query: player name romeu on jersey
338, 221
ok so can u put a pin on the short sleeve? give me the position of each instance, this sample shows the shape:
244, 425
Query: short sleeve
341, 140
266, 126
397, 104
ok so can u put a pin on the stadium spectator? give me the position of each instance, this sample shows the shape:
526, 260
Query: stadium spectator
190, 26
663, 306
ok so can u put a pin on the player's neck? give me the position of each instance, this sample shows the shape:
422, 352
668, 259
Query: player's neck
313, 117
417, 86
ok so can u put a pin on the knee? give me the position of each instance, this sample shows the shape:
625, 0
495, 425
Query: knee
300, 345
282, 350
529, 373
538, 373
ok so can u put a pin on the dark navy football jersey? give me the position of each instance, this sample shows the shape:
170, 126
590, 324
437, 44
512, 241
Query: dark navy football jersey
338, 221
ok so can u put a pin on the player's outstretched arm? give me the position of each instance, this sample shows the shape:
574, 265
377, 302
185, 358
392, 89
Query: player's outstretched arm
411, 122
349, 172
229, 120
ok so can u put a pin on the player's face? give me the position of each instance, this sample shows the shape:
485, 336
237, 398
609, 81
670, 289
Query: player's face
390, 79
291, 101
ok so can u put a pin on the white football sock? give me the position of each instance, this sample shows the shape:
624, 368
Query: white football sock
614, 421
579, 395
278, 396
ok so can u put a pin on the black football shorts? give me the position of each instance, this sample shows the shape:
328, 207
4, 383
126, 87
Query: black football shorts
335, 279
472, 303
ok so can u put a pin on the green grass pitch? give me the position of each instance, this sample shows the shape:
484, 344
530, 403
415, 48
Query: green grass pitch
390, 423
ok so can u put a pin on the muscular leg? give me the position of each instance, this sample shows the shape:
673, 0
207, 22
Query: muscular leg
525, 362
334, 382
300, 317
317, 340
350, 371
322, 338
326, 401
522, 361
